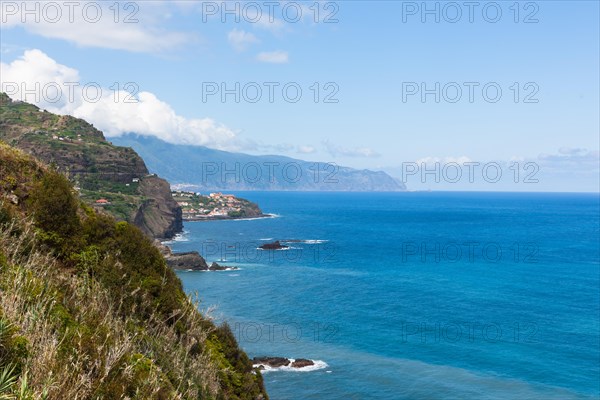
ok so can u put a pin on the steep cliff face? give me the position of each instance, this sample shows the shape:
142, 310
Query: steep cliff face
158, 216
99, 169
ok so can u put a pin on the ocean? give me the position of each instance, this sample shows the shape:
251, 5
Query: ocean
412, 295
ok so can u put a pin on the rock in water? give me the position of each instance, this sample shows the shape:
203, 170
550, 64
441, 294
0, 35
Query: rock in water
273, 246
302, 362
185, 261
278, 362
273, 362
216, 267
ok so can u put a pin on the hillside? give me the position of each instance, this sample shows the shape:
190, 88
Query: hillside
98, 169
205, 169
89, 309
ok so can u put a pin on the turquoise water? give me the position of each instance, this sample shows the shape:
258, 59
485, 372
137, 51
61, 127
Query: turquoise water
413, 295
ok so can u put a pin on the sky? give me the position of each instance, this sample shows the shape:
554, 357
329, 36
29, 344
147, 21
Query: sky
442, 95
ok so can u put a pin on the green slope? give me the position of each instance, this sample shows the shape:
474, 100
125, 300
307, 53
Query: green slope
89, 310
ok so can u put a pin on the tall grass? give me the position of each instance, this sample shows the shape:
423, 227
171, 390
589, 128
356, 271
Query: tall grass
80, 347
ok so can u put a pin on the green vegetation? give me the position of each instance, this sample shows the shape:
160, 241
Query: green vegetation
97, 168
89, 309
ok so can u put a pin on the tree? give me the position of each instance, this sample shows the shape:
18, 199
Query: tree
54, 206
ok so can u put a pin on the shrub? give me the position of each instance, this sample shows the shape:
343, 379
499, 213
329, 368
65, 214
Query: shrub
54, 209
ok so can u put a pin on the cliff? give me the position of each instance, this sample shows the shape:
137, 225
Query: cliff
100, 170
158, 215
90, 310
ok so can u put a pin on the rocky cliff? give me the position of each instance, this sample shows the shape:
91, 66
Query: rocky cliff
117, 176
159, 215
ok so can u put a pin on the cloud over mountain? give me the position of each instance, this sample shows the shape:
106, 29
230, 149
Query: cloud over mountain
59, 89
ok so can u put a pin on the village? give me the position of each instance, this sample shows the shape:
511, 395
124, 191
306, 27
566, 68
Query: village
198, 207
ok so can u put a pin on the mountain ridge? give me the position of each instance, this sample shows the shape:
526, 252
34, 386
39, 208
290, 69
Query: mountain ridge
203, 168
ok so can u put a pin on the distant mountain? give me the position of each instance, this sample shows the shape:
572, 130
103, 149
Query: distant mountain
202, 168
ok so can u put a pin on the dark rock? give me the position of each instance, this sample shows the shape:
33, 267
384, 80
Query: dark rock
302, 362
273, 362
185, 261
273, 246
216, 267
277, 362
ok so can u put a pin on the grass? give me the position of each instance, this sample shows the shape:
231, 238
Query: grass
89, 309
79, 344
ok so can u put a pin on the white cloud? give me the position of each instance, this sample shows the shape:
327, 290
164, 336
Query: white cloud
570, 151
111, 113
152, 117
306, 149
274, 25
337, 150
92, 24
275, 57
36, 70
570, 160
241, 40
444, 160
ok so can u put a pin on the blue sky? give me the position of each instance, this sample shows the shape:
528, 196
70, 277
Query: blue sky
368, 56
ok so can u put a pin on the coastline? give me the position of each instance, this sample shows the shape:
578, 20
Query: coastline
226, 218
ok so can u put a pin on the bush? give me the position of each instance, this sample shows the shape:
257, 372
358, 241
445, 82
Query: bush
54, 209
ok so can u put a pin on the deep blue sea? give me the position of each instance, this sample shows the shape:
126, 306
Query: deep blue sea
412, 295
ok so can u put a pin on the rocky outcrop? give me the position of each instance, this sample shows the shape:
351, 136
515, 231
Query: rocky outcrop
159, 216
302, 362
277, 362
273, 362
187, 261
273, 246
216, 267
